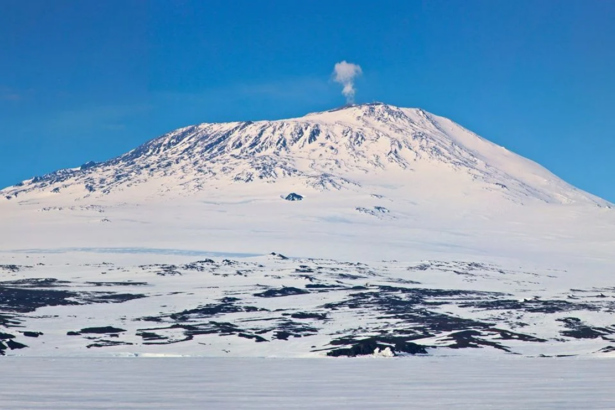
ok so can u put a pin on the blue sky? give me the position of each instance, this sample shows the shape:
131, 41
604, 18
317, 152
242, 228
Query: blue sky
85, 80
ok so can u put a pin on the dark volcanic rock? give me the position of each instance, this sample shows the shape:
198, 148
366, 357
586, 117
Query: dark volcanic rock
100, 297
282, 335
15, 345
470, 338
7, 341
307, 315
28, 300
10, 268
532, 306
151, 336
117, 283
32, 334
35, 283
412, 309
579, 330
360, 347
250, 336
27, 295
508, 335
212, 310
102, 330
294, 329
285, 291
408, 305
321, 286
192, 330
6, 336
228, 305
293, 197
107, 343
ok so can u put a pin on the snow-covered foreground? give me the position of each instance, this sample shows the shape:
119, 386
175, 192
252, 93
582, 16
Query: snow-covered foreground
76, 304
216, 383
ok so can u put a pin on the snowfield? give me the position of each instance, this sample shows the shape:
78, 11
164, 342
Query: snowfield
275, 306
369, 228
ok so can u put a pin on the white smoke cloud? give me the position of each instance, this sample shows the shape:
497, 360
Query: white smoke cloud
345, 74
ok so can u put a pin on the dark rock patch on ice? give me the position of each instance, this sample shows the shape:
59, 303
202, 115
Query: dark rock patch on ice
31, 334
256, 338
367, 346
189, 331
579, 330
228, 305
211, 310
27, 295
377, 211
13, 268
530, 305
285, 291
149, 336
117, 283
7, 342
162, 269
322, 286
308, 315
471, 339
108, 343
102, 330
293, 197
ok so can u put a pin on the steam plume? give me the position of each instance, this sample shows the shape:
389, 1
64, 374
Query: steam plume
345, 74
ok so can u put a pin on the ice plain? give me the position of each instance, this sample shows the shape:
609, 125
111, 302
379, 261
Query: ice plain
454, 383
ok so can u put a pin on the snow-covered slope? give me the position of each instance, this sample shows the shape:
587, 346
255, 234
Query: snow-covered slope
335, 149
402, 229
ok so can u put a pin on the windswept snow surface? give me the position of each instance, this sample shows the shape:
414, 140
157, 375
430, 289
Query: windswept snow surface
413, 234
221, 384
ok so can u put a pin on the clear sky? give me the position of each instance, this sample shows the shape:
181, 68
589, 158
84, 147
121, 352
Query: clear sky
89, 80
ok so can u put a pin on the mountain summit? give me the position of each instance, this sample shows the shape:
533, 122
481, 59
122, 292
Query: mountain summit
343, 148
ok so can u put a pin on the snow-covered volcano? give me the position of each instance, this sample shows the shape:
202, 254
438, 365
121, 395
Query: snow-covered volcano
373, 180
339, 149
402, 232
